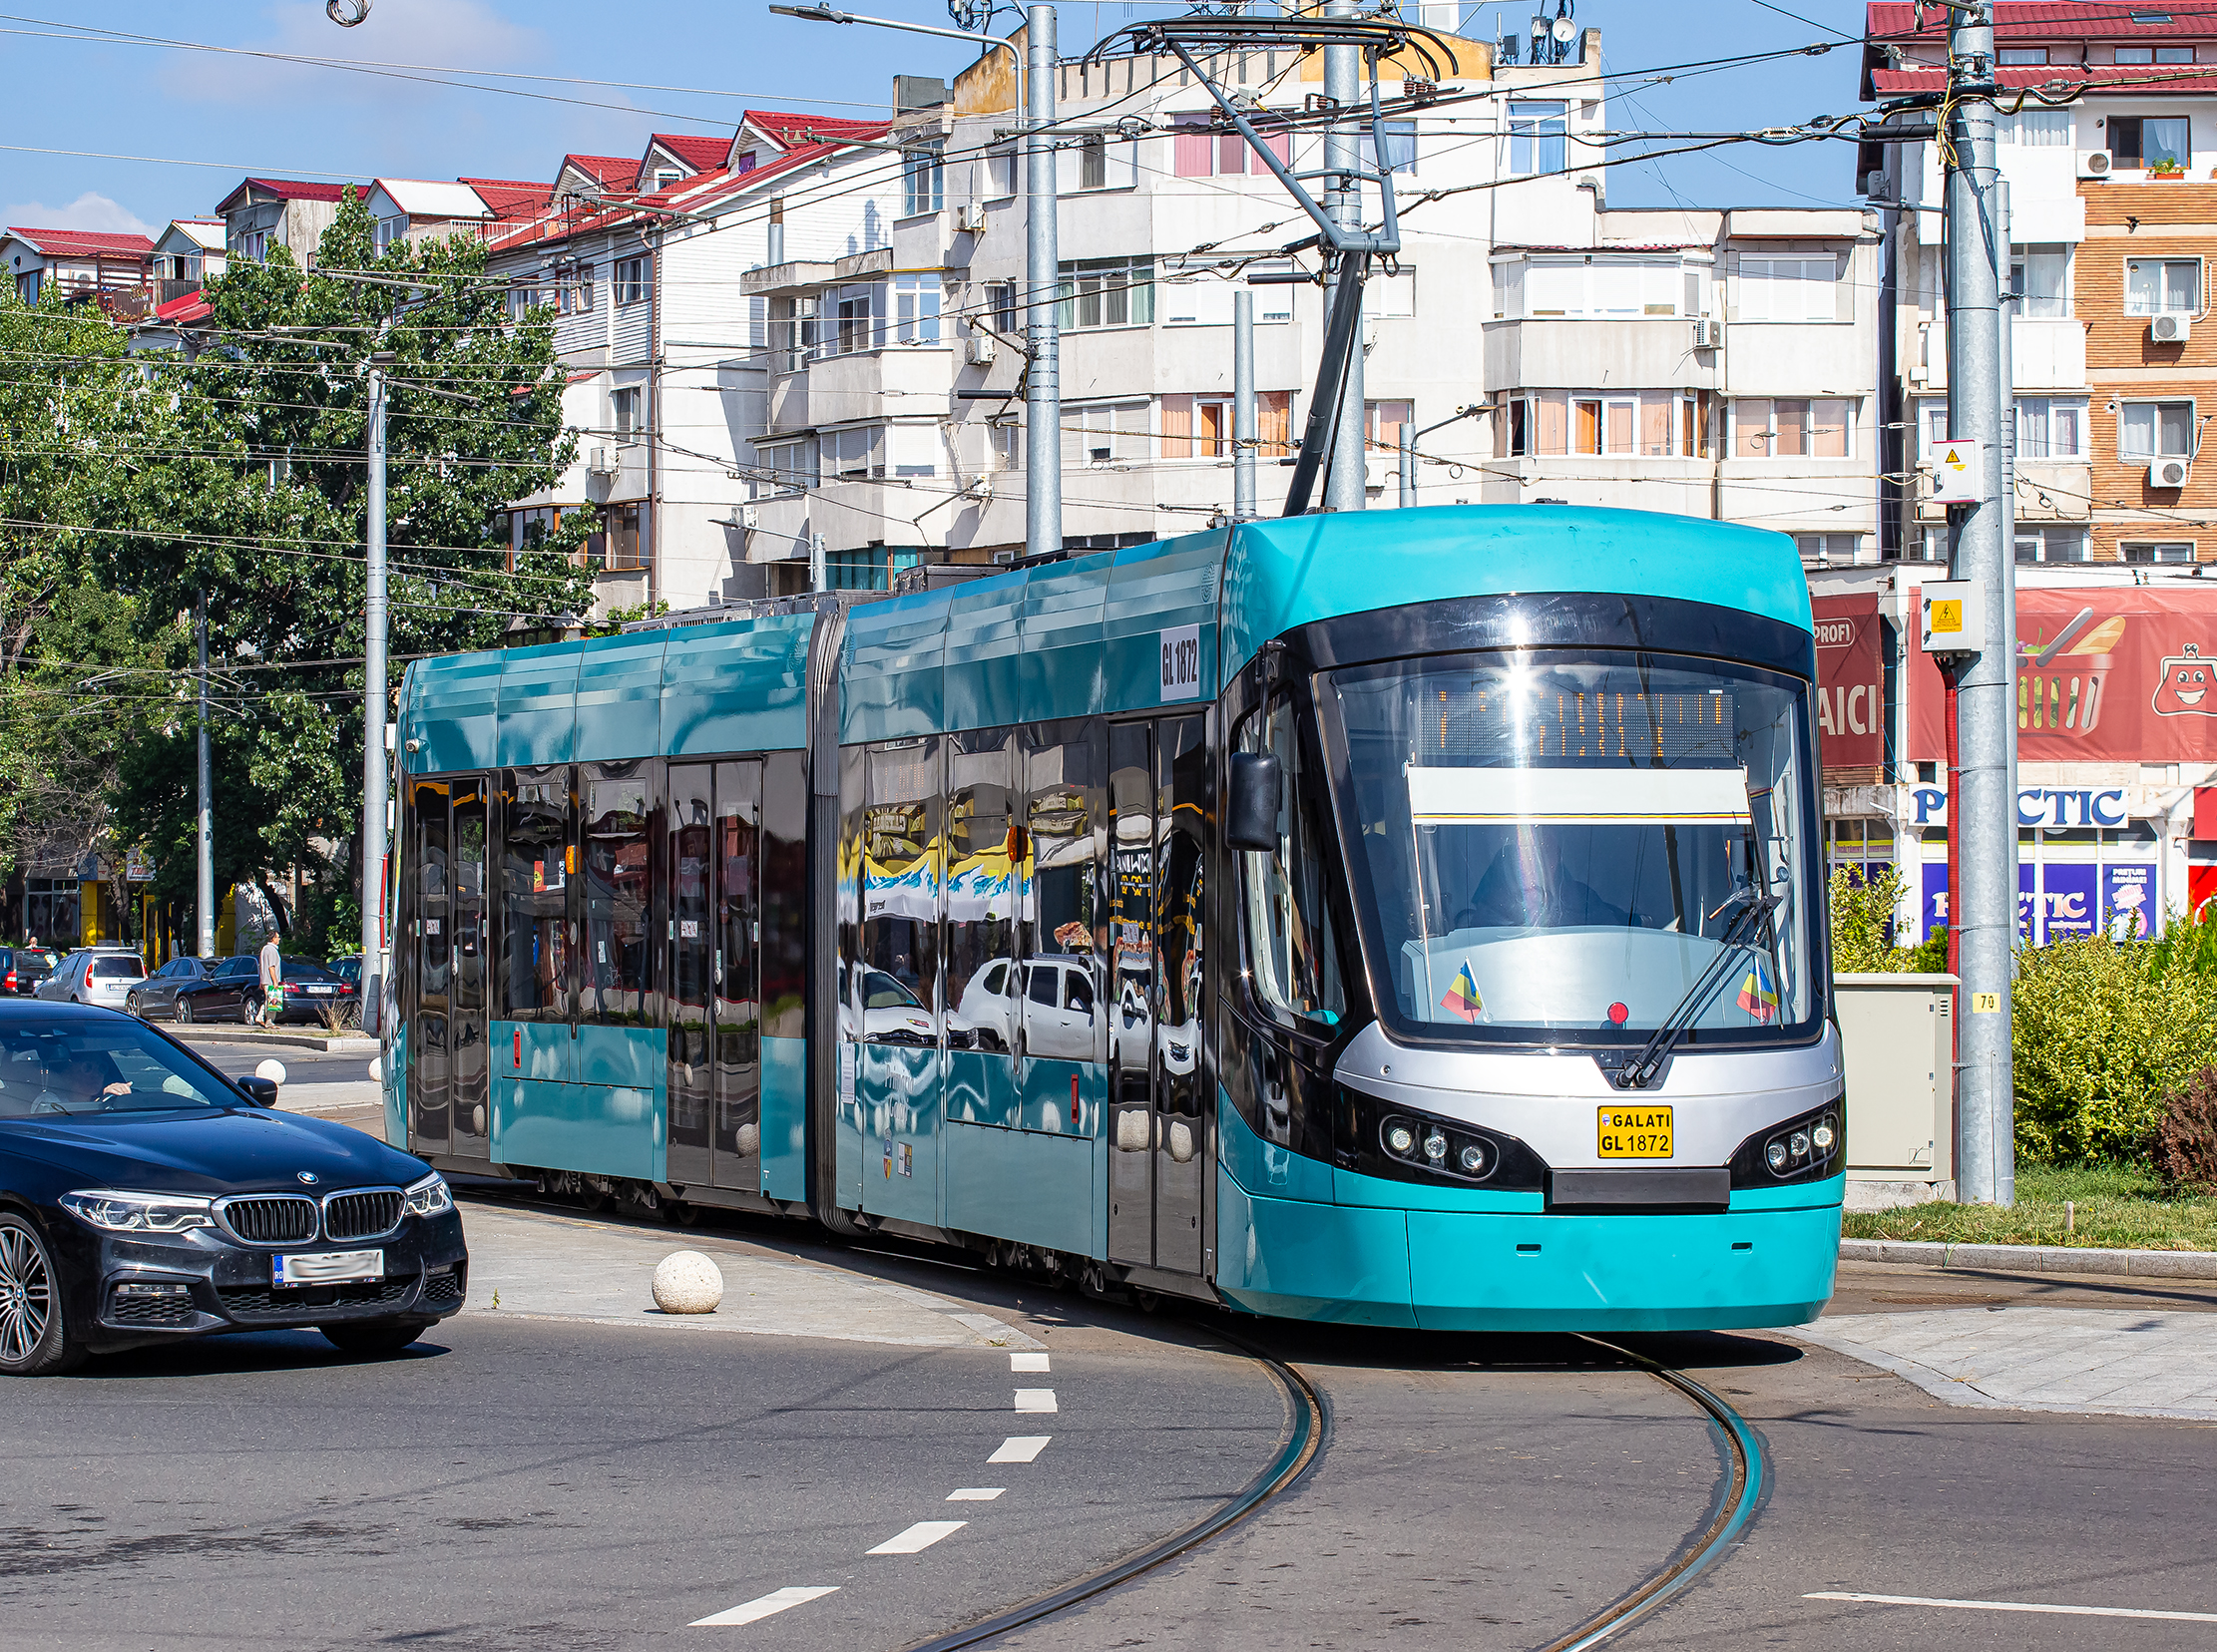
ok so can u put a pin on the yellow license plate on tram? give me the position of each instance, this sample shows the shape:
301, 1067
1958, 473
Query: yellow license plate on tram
1634, 1133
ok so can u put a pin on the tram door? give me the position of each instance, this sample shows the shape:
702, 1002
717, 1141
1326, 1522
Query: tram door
430, 1058
1158, 1139
470, 1070
714, 901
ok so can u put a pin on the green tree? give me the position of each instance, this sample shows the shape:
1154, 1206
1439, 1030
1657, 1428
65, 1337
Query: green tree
258, 499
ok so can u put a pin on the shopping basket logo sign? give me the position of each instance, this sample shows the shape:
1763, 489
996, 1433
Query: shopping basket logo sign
2183, 688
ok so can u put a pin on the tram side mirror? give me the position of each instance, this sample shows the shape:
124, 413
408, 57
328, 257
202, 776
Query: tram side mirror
1251, 814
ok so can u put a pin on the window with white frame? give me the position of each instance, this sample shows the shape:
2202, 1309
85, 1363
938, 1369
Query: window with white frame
388, 231
916, 301
631, 283
2162, 286
2021, 57
854, 455
2035, 128
1797, 288
923, 179
792, 333
522, 298
1383, 423
2040, 279
1001, 309
1000, 173
913, 449
2159, 141
856, 316
1597, 285
1106, 433
2050, 544
1793, 427
1830, 549
1538, 136
1106, 293
624, 413
2049, 427
254, 245
2151, 430
1401, 147
1201, 149
788, 465
1932, 426
1005, 441
1389, 297
1629, 423
574, 288
2164, 551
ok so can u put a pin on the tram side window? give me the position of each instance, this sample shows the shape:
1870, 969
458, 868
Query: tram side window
612, 971
984, 862
536, 862
1292, 949
1066, 919
901, 848
784, 850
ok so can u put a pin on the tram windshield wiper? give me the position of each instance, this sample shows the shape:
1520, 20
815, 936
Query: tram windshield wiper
1754, 909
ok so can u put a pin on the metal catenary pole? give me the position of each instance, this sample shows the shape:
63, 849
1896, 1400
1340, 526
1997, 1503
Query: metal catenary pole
1983, 808
1343, 488
1042, 401
373, 717
204, 888
1243, 435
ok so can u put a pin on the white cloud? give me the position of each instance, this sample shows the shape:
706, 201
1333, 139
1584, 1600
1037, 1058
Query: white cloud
87, 211
460, 33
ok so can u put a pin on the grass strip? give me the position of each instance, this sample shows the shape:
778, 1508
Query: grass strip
2114, 1207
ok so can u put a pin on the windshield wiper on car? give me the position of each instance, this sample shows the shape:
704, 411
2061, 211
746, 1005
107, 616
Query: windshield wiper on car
1754, 909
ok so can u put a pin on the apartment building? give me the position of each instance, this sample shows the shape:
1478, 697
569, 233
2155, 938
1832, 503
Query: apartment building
2109, 143
1710, 363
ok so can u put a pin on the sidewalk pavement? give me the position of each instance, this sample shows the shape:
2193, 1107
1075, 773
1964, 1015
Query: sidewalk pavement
574, 1268
2117, 1362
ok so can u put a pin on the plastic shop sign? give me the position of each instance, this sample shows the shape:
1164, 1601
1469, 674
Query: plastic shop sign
2040, 806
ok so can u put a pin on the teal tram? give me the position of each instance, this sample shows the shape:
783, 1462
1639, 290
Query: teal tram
1410, 918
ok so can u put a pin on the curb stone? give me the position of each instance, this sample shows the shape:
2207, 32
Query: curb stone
344, 1044
2140, 1264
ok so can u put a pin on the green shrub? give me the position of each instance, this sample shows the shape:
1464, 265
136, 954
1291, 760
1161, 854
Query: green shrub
1863, 908
2190, 944
2105, 1031
2185, 1148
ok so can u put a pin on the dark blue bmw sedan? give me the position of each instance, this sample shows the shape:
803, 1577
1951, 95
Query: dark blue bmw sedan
144, 1197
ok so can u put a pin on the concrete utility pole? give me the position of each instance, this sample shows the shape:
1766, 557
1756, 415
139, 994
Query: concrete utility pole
1343, 487
1242, 405
1042, 401
205, 889
1983, 807
373, 715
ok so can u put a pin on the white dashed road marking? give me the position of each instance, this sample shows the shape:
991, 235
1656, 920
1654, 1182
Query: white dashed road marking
1034, 1399
2016, 1606
976, 1494
1020, 1449
918, 1536
753, 1611
1027, 1362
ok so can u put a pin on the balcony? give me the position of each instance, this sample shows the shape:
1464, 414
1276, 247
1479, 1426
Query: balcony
2047, 353
1578, 352
897, 379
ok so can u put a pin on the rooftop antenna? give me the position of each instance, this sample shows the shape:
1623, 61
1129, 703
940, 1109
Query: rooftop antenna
1347, 248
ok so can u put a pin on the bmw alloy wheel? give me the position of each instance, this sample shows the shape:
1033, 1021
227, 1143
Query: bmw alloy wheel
33, 1341
185, 1011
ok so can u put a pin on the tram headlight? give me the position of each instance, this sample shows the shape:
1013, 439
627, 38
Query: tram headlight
1800, 1150
1798, 1144
1434, 1146
1441, 1148
1823, 1136
1472, 1159
1401, 1140
1775, 1154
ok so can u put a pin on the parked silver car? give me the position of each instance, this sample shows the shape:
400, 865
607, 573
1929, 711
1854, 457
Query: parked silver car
95, 975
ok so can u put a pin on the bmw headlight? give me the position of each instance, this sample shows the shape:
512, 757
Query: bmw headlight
138, 1212
430, 1196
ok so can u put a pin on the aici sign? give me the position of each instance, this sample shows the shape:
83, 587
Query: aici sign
2040, 806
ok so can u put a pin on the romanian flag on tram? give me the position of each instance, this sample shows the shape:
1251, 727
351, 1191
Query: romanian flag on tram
1758, 994
1462, 998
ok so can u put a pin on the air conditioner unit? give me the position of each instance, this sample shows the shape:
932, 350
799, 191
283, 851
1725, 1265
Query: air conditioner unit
749, 517
971, 216
2170, 329
1707, 334
2168, 473
601, 461
979, 351
2094, 164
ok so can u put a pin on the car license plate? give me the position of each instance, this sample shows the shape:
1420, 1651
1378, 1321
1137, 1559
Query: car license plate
322, 990
1634, 1133
329, 1267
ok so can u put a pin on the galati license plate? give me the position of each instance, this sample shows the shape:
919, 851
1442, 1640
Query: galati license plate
327, 1267
1634, 1133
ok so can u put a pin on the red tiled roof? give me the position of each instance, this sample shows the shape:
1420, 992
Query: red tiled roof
786, 129
607, 168
700, 154
2053, 20
287, 188
511, 198
83, 243
182, 312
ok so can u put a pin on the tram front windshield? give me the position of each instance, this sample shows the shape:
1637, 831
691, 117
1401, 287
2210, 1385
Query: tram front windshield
1558, 845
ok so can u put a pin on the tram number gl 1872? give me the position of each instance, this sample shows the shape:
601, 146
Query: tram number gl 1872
1181, 662
1634, 1132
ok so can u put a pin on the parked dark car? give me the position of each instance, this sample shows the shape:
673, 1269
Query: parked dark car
154, 999
145, 1197
23, 968
231, 992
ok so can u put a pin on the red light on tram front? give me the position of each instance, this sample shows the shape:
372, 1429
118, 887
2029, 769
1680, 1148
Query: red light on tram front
1619, 1015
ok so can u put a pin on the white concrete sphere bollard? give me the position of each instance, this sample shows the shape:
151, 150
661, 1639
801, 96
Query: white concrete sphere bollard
271, 1070
687, 1283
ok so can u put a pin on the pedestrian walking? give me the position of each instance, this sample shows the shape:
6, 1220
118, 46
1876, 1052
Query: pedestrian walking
272, 982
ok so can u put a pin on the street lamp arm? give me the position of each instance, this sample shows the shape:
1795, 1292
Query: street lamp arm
831, 14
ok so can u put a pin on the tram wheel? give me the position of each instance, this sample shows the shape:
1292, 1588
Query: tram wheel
681, 1213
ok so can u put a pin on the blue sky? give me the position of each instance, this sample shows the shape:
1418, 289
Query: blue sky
255, 115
